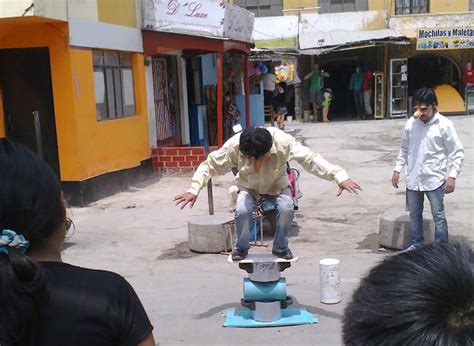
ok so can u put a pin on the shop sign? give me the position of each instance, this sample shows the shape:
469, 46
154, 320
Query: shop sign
445, 38
199, 18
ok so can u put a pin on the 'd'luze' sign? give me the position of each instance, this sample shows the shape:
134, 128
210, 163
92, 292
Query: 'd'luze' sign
445, 38
199, 18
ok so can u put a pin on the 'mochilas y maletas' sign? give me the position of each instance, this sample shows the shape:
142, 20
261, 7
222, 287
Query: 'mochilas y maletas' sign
199, 18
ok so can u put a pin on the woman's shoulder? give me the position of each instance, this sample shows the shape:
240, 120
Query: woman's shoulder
63, 271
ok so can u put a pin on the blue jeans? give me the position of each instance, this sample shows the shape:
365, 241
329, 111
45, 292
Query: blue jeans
246, 203
415, 206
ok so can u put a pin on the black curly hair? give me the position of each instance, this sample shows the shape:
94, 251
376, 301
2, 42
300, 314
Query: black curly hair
255, 142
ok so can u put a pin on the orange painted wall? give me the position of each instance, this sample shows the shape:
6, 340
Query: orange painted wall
33, 33
87, 148
109, 145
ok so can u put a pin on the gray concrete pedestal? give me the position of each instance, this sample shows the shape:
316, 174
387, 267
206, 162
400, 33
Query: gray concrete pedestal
394, 229
209, 234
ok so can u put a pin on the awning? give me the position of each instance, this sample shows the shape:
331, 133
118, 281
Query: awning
322, 33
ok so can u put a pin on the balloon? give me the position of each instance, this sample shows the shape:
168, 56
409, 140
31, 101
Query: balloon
264, 69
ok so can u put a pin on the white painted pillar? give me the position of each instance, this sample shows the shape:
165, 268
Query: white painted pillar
183, 92
150, 103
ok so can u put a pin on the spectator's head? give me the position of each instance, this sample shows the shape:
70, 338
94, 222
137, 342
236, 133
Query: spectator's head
422, 297
30, 205
255, 142
425, 104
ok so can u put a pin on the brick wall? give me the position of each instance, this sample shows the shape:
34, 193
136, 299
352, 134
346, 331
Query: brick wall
177, 160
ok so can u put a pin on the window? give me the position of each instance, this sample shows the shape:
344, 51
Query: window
411, 6
262, 8
342, 6
335, 6
113, 84
471, 5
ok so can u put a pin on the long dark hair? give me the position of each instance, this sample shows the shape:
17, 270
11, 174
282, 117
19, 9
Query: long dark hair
31, 205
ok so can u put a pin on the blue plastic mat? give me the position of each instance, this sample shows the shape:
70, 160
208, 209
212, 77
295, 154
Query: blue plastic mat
290, 317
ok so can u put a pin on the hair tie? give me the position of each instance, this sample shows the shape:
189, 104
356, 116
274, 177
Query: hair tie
9, 238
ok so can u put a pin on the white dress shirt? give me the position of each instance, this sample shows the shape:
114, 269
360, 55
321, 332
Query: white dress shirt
431, 151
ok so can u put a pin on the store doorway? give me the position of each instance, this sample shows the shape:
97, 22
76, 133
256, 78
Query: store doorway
340, 72
166, 100
431, 70
25, 81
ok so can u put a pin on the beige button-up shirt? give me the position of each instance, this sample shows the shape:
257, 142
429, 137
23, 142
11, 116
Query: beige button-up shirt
272, 178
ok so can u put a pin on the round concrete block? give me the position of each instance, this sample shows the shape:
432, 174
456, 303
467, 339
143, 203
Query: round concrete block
394, 229
207, 234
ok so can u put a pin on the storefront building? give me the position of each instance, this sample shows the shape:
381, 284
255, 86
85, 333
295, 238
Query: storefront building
198, 57
382, 36
440, 47
341, 42
73, 90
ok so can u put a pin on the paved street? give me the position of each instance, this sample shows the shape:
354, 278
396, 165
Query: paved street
141, 235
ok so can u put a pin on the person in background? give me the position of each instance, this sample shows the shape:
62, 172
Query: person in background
316, 84
269, 84
424, 297
433, 154
355, 85
261, 156
368, 88
44, 300
327, 98
280, 105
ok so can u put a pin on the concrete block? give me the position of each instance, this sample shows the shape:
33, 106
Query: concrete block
207, 233
394, 229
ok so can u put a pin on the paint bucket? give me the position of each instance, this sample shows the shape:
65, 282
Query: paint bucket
306, 115
329, 280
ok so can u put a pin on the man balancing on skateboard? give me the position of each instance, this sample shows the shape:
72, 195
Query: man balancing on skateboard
260, 156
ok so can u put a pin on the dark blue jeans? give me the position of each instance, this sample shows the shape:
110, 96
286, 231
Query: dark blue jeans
415, 206
246, 204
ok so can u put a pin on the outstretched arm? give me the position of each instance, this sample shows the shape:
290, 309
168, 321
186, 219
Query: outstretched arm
217, 163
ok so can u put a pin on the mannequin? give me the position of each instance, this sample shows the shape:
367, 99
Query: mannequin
316, 84
355, 85
468, 76
368, 87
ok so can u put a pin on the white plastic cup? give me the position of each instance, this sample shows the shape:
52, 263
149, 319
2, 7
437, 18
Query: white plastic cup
329, 280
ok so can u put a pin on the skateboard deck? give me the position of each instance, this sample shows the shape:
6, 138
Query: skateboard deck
262, 258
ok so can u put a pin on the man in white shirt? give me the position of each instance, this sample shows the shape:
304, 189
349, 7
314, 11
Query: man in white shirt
433, 154
260, 155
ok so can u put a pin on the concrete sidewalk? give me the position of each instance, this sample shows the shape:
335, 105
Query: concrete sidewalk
142, 235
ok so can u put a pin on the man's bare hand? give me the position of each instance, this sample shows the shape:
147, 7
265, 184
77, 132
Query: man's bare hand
449, 185
350, 186
395, 179
184, 199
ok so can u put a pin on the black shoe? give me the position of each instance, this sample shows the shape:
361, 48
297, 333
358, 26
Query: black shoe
286, 254
239, 255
